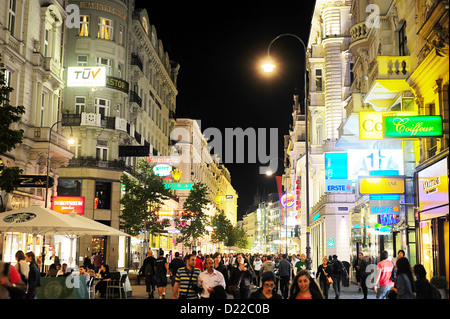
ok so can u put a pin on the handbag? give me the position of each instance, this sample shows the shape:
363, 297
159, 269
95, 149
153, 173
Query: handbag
234, 289
328, 278
394, 273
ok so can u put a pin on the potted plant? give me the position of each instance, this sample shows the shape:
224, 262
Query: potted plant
441, 283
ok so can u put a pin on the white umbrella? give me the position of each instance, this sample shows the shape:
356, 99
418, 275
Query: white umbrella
101, 228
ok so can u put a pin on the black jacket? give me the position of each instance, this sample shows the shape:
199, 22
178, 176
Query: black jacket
247, 279
257, 295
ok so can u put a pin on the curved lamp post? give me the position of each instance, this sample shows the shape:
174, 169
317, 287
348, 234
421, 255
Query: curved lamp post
269, 67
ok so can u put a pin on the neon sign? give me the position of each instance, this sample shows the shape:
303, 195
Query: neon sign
412, 126
287, 200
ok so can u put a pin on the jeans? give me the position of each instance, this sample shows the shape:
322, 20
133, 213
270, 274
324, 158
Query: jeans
324, 287
284, 286
336, 285
383, 291
244, 293
364, 285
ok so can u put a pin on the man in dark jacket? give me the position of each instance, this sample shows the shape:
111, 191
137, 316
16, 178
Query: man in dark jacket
284, 275
149, 273
337, 271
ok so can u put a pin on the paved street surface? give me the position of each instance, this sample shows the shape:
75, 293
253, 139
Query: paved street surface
346, 292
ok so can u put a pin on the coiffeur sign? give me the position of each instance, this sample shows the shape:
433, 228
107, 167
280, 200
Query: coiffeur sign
371, 123
412, 126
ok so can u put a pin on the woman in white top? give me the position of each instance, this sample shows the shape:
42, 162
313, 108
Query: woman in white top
257, 263
22, 265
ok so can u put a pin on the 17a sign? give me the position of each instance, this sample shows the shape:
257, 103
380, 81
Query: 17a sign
412, 126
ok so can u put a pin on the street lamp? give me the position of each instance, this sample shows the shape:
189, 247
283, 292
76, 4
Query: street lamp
269, 67
71, 141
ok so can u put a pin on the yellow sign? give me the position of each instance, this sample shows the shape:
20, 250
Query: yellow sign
371, 123
382, 185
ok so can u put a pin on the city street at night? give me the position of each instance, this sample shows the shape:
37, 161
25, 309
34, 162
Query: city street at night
231, 154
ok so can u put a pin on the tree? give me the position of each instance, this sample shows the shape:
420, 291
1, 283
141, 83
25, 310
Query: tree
222, 228
242, 241
9, 138
194, 220
144, 195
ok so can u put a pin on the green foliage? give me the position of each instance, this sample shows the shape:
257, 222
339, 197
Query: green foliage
144, 195
9, 138
192, 224
222, 228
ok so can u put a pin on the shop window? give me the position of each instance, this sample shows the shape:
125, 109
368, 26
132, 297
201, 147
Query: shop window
102, 195
84, 26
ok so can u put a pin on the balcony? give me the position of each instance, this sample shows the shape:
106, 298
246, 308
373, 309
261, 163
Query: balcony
136, 60
92, 162
387, 78
94, 119
134, 97
359, 34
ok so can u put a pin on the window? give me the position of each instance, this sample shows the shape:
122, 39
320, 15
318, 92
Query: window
402, 41
46, 42
102, 106
84, 26
42, 110
7, 78
102, 153
102, 195
82, 60
12, 16
106, 63
319, 80
75, 149
119, 71
105, 29
120, 35
80, 104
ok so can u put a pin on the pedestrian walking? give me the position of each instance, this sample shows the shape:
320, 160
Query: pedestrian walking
148, 267
284, 273
267, 287
34, 276
404, 283
176, 264
301, 264
161, 269
268, 265
383, 282
186, 280
220, 266
304, 287
257, 263
241, 276
337, 271
97, 261
212, 282
361, 268
324, 277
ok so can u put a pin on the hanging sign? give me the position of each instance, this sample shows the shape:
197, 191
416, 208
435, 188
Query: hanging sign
287, 200
412, 126
67, 205
86, 76
382, 185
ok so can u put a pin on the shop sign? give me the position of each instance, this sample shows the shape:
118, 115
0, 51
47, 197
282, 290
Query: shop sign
162, 170
412, 126
364, 162
35, 181
385, 209
117, 84
433, 185
287, 200
338, 186
388, 219
297, 194
170, 160
331, 242
382, 185
86, 76
178, 186
104, 8
371, 123
336, 166
67, 205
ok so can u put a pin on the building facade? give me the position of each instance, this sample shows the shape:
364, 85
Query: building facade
329, 64
32, 47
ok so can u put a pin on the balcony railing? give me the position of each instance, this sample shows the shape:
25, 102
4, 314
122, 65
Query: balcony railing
134, 97
359, 31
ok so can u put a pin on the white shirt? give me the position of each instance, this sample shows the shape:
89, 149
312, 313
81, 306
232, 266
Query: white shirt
257, 264
207, 280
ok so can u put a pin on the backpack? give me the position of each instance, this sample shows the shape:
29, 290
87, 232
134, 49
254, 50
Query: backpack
336, 267
149, 270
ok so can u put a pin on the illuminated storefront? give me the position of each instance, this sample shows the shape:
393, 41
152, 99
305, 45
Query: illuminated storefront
433, 217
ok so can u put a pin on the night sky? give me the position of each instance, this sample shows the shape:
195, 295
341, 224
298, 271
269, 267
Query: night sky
220, 47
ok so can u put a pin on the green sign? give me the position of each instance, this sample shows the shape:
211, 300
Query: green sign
412, 126
178, 186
